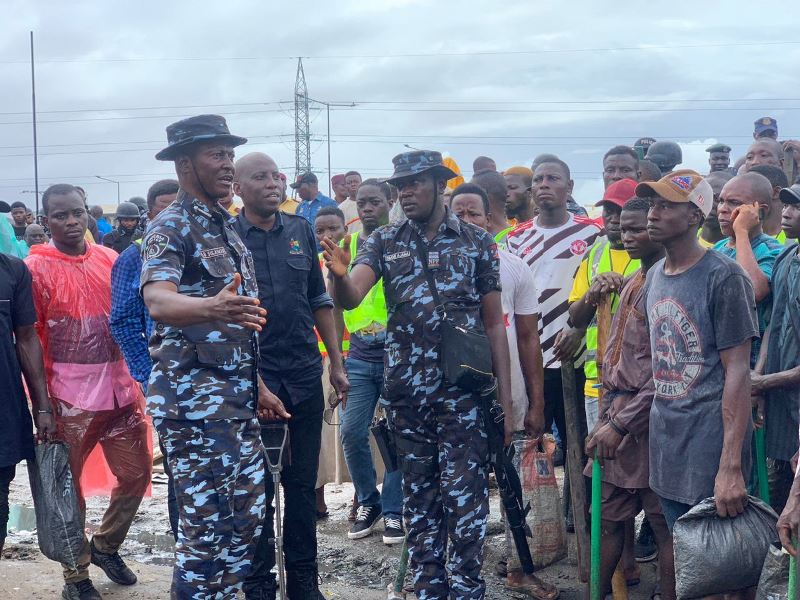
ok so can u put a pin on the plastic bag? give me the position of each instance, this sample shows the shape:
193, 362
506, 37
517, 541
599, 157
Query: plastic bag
715, 555
774, 581
59, 521
548, 543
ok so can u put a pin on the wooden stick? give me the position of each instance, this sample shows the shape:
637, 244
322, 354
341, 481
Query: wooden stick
574, 415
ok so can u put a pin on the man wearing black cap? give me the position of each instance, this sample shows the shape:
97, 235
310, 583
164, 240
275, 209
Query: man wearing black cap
198, 282
307, 187
438, 434
719, 157
666, 154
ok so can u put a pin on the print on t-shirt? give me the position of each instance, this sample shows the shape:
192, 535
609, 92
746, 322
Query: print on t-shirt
678, 356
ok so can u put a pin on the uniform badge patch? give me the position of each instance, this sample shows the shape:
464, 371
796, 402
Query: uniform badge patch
295, 248
396, 255
155, 245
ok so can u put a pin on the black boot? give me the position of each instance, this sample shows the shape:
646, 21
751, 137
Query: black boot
261, 590
303, 585
83, 590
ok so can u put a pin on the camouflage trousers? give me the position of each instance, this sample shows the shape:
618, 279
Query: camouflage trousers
218, 473
443, 450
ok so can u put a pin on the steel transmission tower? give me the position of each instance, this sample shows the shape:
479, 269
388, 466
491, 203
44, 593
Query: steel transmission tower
302, 124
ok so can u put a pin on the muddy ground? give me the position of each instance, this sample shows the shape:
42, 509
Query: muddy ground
350, 569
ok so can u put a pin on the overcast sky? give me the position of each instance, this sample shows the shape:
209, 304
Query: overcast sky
509, 80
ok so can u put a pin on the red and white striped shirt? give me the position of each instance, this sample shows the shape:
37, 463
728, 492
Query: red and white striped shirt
554, 255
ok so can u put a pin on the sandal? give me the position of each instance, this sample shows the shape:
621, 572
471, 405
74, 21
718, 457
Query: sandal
656, 592
533, 587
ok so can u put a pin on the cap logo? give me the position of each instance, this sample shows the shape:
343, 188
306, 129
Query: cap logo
684, 183
766, 121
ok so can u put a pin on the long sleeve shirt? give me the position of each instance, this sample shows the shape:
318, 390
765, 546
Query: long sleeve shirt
628, 388
131, 325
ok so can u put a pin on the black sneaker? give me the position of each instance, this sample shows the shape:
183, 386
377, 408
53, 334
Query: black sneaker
83, 590
113, 566
645, 548
393, 532
366, 518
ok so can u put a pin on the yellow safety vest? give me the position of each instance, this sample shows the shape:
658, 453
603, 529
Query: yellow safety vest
600, 262
345, 337
372, 308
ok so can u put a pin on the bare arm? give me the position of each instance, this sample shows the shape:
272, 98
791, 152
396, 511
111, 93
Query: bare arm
166, 305
729, 489
29, 353
347, 289
323, 318
493, 324
581, 312
530, 358
747, 260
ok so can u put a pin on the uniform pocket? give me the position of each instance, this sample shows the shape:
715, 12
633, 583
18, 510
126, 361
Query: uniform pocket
219, 267
299, 269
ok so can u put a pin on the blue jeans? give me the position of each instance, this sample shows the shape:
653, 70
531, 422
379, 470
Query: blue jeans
366, 383
673, 510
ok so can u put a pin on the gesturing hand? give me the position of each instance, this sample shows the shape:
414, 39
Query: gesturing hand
337, 258
230, 307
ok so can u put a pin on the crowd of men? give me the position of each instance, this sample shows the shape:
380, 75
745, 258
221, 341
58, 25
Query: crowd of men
205, 318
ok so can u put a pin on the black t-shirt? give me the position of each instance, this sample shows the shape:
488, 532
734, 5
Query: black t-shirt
19, 231
16, 310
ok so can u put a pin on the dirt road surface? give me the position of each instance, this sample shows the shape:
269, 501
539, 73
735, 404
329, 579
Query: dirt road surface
350, 570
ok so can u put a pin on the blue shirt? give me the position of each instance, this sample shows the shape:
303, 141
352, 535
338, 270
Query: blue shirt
103, 227
766, 249
130, 321
308, 208
291, 288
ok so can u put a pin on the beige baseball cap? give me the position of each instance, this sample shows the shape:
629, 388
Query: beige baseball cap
680, 186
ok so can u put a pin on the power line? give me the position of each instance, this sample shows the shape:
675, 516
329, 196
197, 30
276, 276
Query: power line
644, 47
284, 103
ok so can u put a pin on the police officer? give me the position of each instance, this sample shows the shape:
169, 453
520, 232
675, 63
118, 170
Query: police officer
199, 285
127, 230
719, 157
437, 427
666, 154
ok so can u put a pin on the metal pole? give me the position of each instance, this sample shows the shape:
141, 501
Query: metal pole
330, 191
118, 193
35, 143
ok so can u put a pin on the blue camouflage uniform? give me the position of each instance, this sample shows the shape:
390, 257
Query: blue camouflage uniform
438, 428
202, 397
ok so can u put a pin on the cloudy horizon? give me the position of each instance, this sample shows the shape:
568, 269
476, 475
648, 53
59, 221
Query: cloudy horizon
505, 80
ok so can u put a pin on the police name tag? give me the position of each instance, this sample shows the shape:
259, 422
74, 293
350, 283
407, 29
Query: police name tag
397, 255
433, 260
217, 252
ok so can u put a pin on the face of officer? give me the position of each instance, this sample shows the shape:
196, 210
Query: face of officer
765, 151
208, 169
719, 161
258, 183
68, 219
418, 195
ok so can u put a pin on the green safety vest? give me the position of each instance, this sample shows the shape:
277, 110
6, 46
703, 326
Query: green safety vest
503, 235
373, 308
599, 261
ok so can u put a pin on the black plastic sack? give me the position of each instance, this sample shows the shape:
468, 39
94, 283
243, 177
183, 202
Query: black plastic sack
715, 555
59, 522
774, 581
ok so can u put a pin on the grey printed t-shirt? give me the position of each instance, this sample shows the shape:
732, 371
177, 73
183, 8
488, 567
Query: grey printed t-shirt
691, 317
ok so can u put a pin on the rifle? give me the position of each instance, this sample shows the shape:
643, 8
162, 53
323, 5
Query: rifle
507, 477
